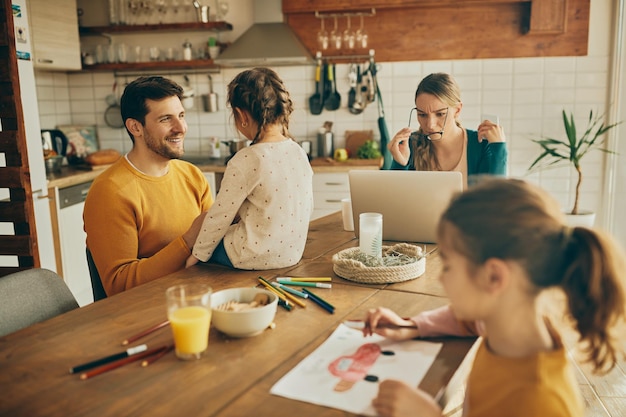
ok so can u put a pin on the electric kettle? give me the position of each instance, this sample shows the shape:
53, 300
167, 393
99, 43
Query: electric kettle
55, 140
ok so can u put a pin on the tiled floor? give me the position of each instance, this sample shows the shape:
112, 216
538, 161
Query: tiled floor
604, 395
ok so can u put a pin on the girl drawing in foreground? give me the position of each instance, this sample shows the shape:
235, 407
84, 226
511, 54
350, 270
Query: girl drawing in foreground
502, 242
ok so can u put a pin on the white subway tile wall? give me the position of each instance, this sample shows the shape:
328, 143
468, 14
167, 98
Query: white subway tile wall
528, 95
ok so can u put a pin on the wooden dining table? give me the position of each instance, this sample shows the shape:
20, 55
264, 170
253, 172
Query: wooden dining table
234, 376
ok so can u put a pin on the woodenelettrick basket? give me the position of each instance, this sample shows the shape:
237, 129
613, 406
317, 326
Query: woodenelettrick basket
346, 265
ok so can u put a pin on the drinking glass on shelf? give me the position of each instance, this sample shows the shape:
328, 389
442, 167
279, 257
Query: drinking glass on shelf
222, 9
362, 37
322, 37
174, 7
155, 53
161, 8
348, 35
335, 36
122, 52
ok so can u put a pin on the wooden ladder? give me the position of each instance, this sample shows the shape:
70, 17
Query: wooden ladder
15, 176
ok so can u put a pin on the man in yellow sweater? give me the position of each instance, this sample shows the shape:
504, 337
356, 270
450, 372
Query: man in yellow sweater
142, 215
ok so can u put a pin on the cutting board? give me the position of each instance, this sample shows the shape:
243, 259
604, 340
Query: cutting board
355, 139
327, 162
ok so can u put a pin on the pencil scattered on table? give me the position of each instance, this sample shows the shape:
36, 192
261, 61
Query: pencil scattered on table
305, 284
108, 359
145, 333
290, 290
320, 301
285, 303
121, 362
305, 279
287, 296
157, 356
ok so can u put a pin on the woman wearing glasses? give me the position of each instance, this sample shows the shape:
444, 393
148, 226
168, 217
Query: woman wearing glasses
441, 143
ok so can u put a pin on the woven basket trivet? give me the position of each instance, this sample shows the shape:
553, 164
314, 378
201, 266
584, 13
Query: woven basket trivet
345, 266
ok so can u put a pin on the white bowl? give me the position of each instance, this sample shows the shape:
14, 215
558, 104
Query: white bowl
242, 323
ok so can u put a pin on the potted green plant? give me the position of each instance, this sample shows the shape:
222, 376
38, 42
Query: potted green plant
572, 150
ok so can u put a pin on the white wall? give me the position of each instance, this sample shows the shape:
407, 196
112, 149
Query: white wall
528, 94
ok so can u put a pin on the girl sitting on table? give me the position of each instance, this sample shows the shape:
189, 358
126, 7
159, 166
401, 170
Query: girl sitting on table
441, 143
260, 218
501, 243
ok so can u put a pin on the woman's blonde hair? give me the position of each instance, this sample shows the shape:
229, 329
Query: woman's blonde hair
514, 220
445, 88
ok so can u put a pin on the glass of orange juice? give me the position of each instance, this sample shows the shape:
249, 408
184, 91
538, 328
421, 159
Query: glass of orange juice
189, 313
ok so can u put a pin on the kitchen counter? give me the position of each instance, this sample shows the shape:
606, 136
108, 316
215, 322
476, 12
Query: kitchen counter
72, 175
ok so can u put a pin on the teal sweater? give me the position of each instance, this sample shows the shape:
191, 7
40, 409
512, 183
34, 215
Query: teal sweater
482, 157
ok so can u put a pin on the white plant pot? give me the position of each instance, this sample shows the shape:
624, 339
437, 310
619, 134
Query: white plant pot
582, 219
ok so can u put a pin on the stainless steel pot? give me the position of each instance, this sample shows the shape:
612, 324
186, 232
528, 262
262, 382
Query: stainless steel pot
236, 144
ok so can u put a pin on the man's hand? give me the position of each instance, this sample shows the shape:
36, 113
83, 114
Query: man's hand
191, 235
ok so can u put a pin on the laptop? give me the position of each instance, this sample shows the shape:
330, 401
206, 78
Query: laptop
411, 202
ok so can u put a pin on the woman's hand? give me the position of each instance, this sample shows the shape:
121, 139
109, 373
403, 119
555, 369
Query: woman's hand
376, 319
397, 399
399, 146
491, 132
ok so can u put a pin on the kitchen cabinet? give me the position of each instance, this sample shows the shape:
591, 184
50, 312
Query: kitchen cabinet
70, 239
110, 31
420, 30
54, 34
329, 188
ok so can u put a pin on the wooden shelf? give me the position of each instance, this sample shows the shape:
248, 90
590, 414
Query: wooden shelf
195, 64
170, 27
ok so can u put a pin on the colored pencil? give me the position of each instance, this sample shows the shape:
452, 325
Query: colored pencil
284, 293
308, 279
360, 325
121, 362
108, 359
290, 290
274, 290
284, 305
157, 356
145, 333
307, 284
320, 301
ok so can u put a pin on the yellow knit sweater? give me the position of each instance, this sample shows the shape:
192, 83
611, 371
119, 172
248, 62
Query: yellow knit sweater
135, 222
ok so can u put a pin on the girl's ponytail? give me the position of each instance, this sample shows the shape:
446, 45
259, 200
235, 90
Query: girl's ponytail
593, 278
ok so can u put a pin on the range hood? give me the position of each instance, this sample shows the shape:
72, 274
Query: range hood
269, 41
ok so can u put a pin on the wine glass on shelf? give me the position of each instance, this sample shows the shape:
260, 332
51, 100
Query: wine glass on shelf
161, 8
348, 34
335, 36
362, 38
222, 9
174, 6
322, 37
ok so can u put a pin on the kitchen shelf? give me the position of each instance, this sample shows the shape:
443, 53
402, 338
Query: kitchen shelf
168, 27
195, 64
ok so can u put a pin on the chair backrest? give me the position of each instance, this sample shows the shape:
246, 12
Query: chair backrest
96, 283
31, 296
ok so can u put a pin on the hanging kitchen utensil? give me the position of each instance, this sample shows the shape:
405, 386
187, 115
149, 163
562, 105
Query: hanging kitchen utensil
326, 85
209, 100
188, 94
352, 77
382, 124
315, 101
333, 101
359, 105
113, 113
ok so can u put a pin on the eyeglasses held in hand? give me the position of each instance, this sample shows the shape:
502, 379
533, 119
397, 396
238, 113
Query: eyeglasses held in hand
434, 135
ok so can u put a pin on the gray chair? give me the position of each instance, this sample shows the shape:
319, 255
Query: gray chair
97, 288
31, 296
